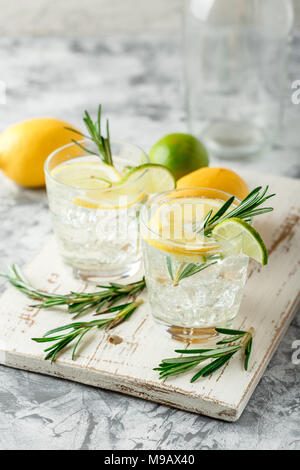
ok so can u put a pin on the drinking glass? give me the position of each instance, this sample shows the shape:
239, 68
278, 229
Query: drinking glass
209, 295
97, 229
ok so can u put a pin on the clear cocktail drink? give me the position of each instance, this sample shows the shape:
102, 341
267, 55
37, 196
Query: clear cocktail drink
94, 213
195, 283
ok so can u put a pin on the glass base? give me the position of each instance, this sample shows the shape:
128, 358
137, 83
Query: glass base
122, 272
192, 335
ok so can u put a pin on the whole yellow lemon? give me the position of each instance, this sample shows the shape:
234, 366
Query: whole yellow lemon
25, 146
216, 178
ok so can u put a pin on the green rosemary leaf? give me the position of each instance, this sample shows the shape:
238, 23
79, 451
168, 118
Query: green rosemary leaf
220, 351
69, 326
231, 340
186, 270
226, 331
83, 147
94, 131
47, 339
80, 329
107, 143
117, 308
212, 367
253, 213
101, 305
77, 303
179, 360
77, 132
222, 209
191, 351
247, 208
221, 355
192, 269
253, 194
77, 343
99, 119
165, 367
169, 266
203, 224
59, 348
178, 370
248, 349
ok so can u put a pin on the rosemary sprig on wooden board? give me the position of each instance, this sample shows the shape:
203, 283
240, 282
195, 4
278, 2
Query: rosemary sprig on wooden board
221, 355
77, 303
95, 135
77, 330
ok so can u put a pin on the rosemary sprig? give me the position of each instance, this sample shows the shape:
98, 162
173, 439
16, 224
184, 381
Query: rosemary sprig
95, 135
221, 355
246, 210
77, 303
77, 330
187, 269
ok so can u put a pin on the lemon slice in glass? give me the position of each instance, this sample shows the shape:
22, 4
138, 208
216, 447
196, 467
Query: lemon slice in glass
175, 224
252, 244
135, 186
86, 175
118, 192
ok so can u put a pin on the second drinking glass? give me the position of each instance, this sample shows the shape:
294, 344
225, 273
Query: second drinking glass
94, 211
194, 282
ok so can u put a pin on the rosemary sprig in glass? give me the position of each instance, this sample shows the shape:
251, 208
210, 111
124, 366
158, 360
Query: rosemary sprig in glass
77, 303
236, 340
188, 269
77, 330
246, 210
95, 135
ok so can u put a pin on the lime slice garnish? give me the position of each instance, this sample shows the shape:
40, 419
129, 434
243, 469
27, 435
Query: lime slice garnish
86, 175
252, 244
154, 178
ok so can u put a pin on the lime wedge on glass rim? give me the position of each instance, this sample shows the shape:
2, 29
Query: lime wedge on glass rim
120, 192
252, 244
156, 178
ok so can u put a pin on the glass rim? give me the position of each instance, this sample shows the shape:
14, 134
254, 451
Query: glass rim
111, 188
189, 246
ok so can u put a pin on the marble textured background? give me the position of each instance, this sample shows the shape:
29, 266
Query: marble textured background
94, 17
139, 82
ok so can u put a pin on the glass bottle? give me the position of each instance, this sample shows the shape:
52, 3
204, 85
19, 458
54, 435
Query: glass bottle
235, 70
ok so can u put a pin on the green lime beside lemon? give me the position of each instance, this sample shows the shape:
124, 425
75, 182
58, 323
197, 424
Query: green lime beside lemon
180, 153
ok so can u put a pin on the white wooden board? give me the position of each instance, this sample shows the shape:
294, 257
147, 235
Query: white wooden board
270, 300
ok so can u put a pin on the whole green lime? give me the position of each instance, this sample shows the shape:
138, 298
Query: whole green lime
181, 153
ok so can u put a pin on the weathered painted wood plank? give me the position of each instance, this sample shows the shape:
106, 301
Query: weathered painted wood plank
270, 300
